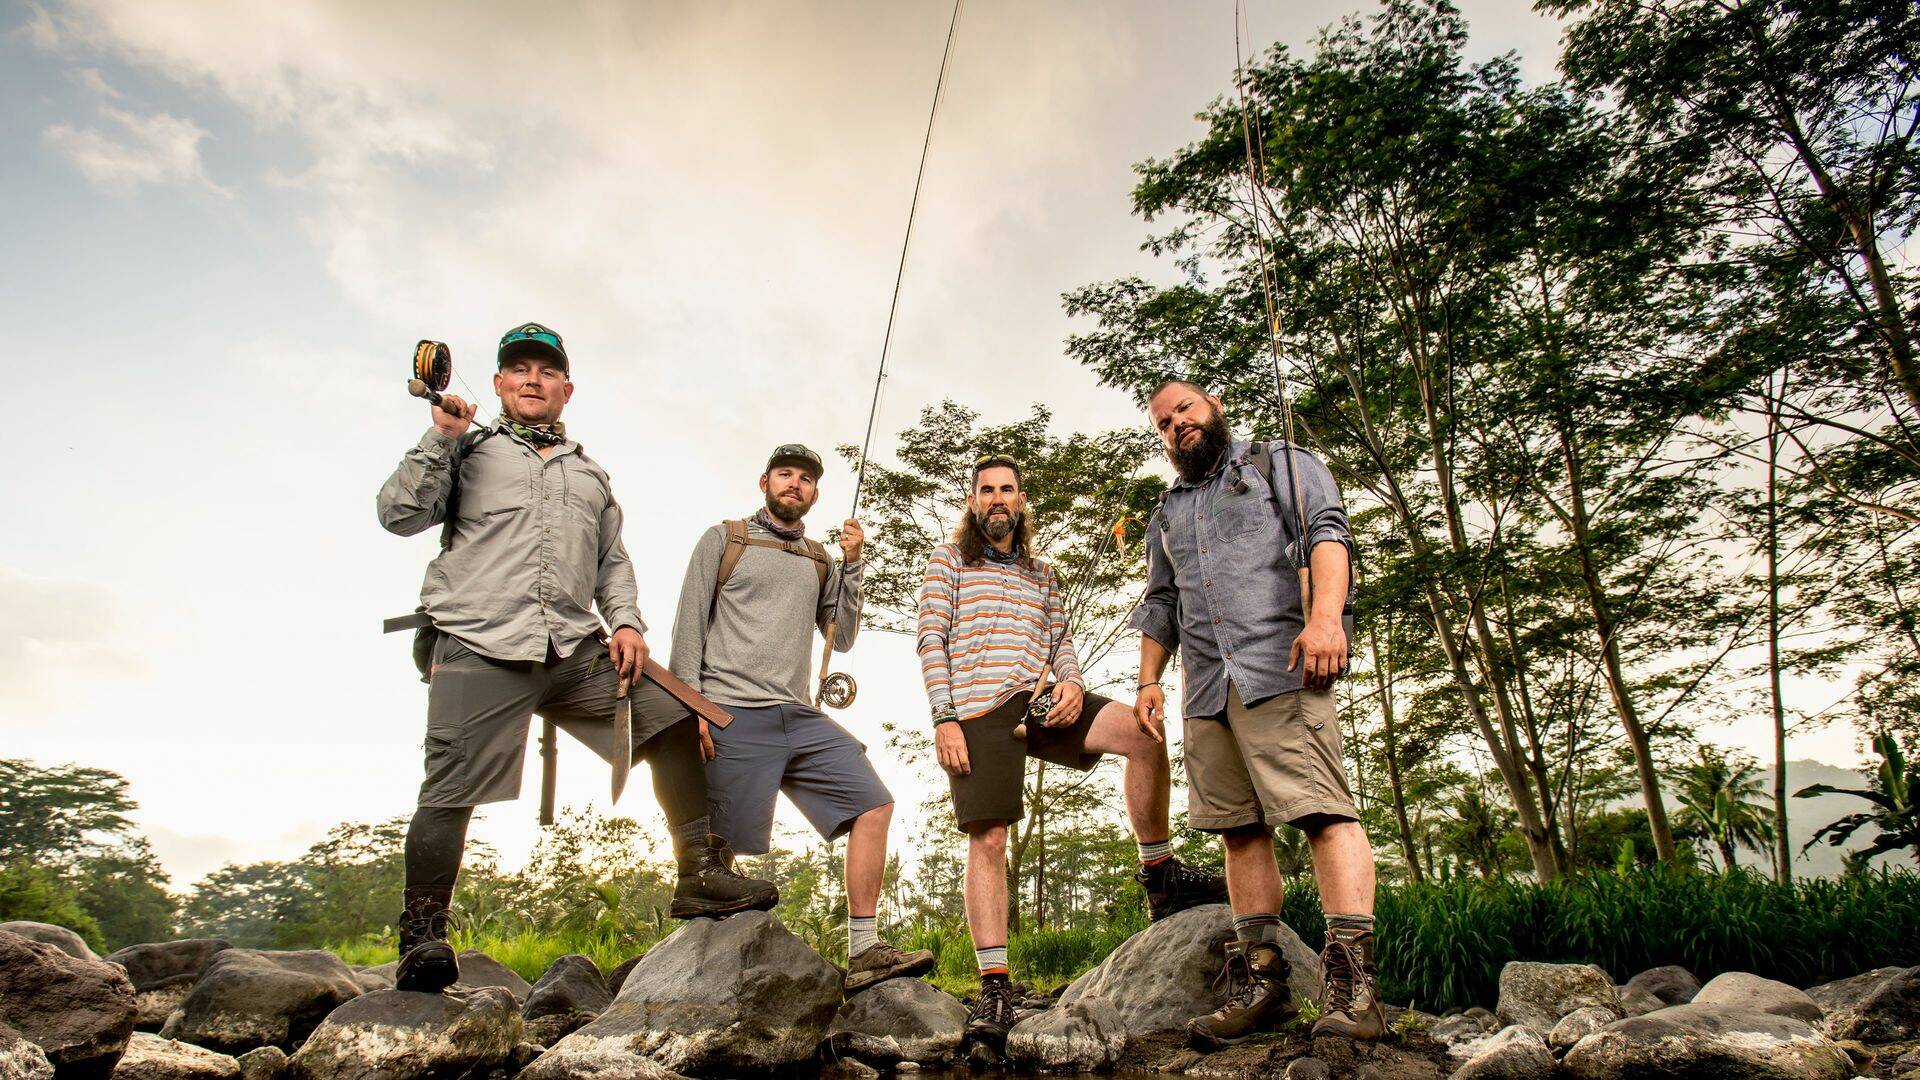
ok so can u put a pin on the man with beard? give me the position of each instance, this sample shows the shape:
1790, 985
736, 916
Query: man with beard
990, 614
755, 593
531, 542
1262, 741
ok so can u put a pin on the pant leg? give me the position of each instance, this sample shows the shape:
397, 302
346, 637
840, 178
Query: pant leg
477, 714
666, 734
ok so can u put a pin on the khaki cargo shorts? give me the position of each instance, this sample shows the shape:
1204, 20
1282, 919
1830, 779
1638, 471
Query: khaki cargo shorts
1278, 761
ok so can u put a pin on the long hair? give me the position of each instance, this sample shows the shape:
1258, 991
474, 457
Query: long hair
972, 540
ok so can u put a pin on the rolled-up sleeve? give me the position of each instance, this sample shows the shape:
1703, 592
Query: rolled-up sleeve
1326, 514
1158, 615
1066, 662
415, 497
614, 589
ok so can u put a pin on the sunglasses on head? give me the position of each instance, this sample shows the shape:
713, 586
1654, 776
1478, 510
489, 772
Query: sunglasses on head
531, 333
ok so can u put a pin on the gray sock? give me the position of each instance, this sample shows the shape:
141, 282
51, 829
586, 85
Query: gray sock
1349, 926
1259, 926
690, 835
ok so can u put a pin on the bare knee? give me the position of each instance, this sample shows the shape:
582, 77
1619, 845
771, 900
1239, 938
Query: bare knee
988, 841
877, 818
1246, 839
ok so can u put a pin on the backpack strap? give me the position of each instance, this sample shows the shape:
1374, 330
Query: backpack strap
737, 544
461, 448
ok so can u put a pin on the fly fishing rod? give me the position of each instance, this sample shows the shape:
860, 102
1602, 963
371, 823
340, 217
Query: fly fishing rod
837, 689
1042, 701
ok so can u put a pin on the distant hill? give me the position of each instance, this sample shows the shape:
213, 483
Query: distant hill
1807, 816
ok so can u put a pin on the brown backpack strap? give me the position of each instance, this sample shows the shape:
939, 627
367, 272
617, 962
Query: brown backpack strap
818, 553
737, 544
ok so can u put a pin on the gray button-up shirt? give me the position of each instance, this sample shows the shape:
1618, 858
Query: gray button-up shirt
1220, 581
536, 542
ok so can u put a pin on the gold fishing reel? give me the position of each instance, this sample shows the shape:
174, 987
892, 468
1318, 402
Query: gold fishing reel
838, 690
432, 370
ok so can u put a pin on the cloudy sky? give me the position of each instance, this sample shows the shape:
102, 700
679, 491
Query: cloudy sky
228, 223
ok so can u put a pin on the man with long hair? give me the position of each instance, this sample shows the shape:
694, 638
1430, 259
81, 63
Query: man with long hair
1262, 739
990, 617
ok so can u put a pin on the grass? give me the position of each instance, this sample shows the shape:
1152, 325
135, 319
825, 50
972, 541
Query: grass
529, 953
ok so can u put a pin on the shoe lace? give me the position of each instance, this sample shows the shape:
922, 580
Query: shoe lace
1188, 878
996, 1002
1237, 977
427, 919
1341, 962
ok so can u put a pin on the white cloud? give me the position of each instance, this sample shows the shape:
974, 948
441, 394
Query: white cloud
132, 150
54, 631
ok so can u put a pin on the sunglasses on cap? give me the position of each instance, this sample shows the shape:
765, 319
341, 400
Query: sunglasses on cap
531, 332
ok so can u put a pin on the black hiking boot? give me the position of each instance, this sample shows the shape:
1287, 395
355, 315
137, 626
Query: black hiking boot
1351, 1005
708, 887
427, 962
1258, 998
992, 1015
1173, 886
879, 962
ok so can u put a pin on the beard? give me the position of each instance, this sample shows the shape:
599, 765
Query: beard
996, 526
1195, 462
791, 515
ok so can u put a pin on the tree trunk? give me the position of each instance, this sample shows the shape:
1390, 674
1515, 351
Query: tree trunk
1385, 686
1782, 851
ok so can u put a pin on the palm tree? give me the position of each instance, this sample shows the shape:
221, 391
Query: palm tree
1722, 800
1476, 830
1894, 812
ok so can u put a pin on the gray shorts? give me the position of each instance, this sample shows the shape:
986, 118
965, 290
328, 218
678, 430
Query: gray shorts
478, 709
792, 748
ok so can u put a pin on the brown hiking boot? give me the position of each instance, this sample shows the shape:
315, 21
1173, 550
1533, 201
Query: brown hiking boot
880, 962
708, 887
1350, 1007
427, 962
1172, 887
1258, 998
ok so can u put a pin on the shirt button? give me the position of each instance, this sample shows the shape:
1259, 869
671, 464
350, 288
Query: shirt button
1216, 622
1203, 551
1229, 654
1208, 584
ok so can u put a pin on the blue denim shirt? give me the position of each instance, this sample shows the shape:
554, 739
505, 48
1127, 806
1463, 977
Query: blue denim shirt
1221, 582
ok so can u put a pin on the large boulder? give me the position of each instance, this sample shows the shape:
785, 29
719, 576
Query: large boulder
1169, 973
21, 1059
569, 994
1880, 1007
247, 998
1085, 1036
908, 1019
400, 1035
1513, 1053
163, 972
717, 997
79, 1012
263, 1063
1577, 1025
618, 976
48, 934
1725, 1042
1657, 988
1538, 995
150, 1057
1754, 992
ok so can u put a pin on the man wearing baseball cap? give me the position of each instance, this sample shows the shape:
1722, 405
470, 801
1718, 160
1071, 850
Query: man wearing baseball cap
757, 590
530, 543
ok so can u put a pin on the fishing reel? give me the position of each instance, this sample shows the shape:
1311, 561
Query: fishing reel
837, 690
432, 370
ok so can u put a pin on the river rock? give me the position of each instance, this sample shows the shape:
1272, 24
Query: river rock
1169, 973
477, 969
1085, 1036
371, 979
1725, 1042
618, 976
48, 934
716, 997
254, 997
1879, 1007
1657, 988
1754, 992
21, 1059
1577, 1025
79, 1012
1538, 995
163, 972
401, 1035
908, 1019
150, 1057
1512, 1053
568, 995
263, 1063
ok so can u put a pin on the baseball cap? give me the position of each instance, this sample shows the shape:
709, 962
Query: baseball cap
532, 338
795, 454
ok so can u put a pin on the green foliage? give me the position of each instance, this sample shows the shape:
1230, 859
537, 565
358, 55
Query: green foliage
69, 856
55, 813
1721, 801
35, 892
1894, 813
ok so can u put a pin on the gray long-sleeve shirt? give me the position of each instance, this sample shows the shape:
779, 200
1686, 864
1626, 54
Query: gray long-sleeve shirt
1220, 585
536, 543
757, 650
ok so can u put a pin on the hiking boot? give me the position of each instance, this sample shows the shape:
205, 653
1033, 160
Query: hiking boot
427, 962
1173, 886
1258, 998
1350, 1007
879, 962
992, 1015
708, 887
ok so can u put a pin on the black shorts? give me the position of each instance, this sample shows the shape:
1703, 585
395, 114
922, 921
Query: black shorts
995, 789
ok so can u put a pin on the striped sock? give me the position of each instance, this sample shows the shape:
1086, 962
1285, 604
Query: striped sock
1259, 926
993, 960
862, 932
1155, 853
1349, 925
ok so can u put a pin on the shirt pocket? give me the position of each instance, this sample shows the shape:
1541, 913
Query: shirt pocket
587, 492
491, 485
1240, 517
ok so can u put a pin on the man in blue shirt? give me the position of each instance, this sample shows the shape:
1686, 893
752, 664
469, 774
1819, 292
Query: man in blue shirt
1224, 558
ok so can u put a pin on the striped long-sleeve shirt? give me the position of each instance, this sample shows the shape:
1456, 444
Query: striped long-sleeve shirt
985, 631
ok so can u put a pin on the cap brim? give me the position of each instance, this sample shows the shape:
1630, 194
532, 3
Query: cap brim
811, 466
513, 350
